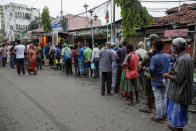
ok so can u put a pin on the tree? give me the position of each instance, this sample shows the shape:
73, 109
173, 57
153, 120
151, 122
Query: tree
133, 16
33, 25
1, 37
46, 22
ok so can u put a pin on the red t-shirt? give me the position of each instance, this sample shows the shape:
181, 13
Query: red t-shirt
132, 66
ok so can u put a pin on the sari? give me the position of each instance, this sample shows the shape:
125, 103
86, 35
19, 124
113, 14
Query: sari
32, 65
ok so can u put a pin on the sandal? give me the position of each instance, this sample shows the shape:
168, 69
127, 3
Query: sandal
144, 110
158, 120
129, 103
170, 127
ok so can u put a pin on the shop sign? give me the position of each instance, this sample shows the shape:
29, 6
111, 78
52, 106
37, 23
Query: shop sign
176, 33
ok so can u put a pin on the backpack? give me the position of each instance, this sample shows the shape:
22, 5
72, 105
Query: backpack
67, 54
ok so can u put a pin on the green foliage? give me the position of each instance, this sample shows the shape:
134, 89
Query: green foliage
46, 22
33, 25
1, 37
133, 16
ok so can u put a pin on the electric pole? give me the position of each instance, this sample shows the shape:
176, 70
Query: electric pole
86, 7
114, 22
111, 35
91, 12
61, 15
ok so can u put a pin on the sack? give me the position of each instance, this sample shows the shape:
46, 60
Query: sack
67, 54
92, 66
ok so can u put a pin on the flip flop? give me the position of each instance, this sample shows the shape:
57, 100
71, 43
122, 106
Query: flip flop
170, 127
144, 110
129, 103
160, 121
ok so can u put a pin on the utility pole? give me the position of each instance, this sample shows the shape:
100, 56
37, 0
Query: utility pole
61, 15
179, 8
86, 7
114, 22
111, 34
194, 46
91, 12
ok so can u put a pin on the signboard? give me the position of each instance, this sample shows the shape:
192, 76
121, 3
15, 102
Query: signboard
176, 33
57, 24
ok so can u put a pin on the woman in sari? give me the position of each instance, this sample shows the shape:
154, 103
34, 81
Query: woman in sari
32, 66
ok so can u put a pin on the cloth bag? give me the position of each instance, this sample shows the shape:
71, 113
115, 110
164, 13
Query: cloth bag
92, 66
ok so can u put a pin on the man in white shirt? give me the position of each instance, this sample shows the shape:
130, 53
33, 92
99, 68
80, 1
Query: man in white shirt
19, 51
140, 51
95, 60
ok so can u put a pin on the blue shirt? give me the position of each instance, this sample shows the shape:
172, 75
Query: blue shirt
47, 50
158, 66
106, 57
58, 52
81, 54
122, 54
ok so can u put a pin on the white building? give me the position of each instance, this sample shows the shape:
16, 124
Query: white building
1, 19
17, 18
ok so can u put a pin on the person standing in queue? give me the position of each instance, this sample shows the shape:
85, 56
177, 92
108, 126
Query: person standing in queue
180, 88
67, 60
19, 50
106, 58
120, 56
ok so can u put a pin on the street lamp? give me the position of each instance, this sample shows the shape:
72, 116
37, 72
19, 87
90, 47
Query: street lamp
95, 17
86, 7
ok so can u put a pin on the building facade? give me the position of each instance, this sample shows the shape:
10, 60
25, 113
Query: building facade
1, 19
17, 18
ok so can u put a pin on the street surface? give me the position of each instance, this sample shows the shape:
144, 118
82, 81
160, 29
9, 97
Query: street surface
51, 101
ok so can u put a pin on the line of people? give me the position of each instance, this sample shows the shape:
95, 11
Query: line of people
167, 79
23, 56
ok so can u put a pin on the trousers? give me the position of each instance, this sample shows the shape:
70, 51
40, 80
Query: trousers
106, 80
160, 101
20, 64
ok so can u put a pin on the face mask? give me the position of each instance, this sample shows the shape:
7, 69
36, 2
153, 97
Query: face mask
148, 43
173, 49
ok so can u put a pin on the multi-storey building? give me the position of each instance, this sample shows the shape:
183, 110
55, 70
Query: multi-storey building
17, 18
1, 19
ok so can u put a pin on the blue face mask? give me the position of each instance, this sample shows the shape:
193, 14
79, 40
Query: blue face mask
148, 43
173, 49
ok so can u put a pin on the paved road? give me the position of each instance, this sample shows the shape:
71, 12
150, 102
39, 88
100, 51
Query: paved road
52, 101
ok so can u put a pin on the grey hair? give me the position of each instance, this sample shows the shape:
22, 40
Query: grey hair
108, 44
140, 44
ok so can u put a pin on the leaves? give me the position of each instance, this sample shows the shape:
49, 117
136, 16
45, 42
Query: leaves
33, 25
133, 16
46, 22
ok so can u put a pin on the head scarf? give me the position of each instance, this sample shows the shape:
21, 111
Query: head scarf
180, 42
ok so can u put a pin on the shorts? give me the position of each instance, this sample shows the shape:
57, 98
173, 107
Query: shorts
132, 84
86, 65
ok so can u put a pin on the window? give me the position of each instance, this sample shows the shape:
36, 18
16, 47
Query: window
11, 14
17, 27
11, 27
16, 14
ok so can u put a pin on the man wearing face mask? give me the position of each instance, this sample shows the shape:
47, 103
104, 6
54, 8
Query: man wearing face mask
147, 77
180, 89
